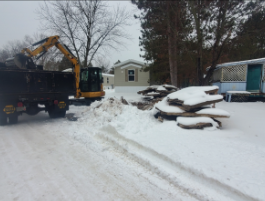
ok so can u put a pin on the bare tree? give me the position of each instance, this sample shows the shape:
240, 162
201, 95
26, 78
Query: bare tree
103, 63
90, 27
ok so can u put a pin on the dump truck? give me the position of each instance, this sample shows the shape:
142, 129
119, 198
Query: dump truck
26, 88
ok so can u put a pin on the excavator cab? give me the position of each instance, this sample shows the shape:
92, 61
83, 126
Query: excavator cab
91, 80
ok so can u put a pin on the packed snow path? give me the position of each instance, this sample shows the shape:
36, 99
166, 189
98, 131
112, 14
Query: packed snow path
39, 161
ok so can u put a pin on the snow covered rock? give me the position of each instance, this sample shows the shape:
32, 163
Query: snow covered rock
158, 90
193, 102
194, 97
196, 122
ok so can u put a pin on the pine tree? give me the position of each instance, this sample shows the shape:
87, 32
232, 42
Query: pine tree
162, 34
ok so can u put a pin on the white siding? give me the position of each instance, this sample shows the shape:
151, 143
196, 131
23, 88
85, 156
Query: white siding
106, 84
119, 72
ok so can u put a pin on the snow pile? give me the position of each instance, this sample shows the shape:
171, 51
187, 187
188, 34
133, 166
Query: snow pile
216, 160
101, 113
105, 112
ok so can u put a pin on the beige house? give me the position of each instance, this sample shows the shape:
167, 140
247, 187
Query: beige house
108, 81
129, 77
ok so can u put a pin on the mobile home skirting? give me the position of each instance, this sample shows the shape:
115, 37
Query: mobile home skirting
230, 86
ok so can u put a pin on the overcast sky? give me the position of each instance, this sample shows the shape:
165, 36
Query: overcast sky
19, 18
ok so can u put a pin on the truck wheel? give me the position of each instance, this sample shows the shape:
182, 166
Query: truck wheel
3, 121
61, 114
52, 114
57, 114
13, 119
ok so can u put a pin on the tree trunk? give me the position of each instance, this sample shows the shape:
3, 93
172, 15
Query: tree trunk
172, 43
196, 9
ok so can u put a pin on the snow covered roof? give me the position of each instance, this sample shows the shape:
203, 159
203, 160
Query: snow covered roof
105, 74
252, 61
129, 62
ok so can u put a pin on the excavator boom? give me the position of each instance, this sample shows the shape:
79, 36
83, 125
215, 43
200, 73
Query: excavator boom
47, 44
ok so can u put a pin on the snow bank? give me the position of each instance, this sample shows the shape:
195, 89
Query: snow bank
221, 155
101, 113
217, 158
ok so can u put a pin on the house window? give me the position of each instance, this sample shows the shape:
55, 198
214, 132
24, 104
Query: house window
131, 75
107, 80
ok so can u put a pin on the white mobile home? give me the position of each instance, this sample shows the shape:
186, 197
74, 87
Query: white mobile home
128, 76
108, 81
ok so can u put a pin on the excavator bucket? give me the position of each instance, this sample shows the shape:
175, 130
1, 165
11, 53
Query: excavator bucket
20, 61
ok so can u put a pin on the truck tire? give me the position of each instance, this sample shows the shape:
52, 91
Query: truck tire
61, 114
3, 121
13, 119
56, 114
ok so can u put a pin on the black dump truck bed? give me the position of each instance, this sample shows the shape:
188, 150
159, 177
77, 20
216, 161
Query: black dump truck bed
20, 82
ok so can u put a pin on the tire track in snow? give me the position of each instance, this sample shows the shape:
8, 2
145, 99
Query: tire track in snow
47, 157
185, 178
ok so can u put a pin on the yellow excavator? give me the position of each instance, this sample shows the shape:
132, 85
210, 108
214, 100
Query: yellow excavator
88, 86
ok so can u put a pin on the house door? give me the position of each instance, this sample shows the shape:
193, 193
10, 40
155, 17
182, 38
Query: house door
253, 77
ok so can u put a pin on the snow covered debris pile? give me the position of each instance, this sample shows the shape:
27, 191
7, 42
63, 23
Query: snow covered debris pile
101, 113
158, 90
193, 102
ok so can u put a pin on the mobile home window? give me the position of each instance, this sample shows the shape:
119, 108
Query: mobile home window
131, 75
107, 80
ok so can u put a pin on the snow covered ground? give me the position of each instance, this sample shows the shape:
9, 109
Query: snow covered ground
117, 152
